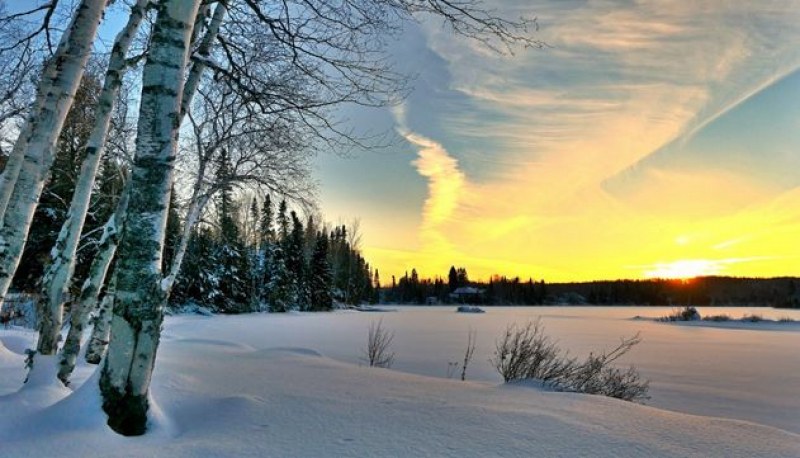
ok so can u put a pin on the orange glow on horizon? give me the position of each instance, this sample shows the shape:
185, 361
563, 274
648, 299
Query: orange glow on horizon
684, 269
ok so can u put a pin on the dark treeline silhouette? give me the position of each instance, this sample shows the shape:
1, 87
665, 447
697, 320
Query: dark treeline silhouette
456, 288
705, 291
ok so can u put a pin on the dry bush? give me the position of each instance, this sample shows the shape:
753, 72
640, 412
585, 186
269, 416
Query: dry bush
379, 342
687, 313
527, 353
720, 317
468, 353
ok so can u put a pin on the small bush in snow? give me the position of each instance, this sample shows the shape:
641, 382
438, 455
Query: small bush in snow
379, 341
469, 352
721, 317
687, 313
527, 353
753, 318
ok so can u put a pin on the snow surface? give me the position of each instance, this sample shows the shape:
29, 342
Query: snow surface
259, 385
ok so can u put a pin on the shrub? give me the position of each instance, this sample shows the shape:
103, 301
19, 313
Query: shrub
527, 353
379, 341
688, 313
753, 318
721, 317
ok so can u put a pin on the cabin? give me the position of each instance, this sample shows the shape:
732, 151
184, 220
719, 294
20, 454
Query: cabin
467, 294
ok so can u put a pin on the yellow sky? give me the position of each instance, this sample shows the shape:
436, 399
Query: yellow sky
649, 141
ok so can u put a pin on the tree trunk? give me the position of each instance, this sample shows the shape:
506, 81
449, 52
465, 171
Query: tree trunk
196, 206
44, 128
101, 332
203, 51
14, 164
139, 302
58, 274
102, 321
87, 301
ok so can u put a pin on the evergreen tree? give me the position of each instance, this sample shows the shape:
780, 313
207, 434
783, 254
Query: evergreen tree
280, 287
321, 295
296, 263
452, 279
266, 228
283, 221
232, 269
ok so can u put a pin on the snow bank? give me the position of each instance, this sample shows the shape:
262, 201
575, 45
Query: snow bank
256, 394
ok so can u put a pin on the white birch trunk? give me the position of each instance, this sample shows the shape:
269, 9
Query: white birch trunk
102, 321
139, 302
14, 164
196, 206
58, 275
87, 301
101, 332
203, 50
70, 61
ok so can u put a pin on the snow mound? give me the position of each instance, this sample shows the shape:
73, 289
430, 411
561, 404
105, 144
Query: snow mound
17, 343
469, 309
213, 342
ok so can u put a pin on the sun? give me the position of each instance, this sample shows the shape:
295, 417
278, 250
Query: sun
683, 269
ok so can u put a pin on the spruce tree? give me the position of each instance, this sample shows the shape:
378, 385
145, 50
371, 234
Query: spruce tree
280, 286
296, 263
266, 229
283, 221
321, 277
232, 269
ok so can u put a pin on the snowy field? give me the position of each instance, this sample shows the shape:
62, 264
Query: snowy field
294, 385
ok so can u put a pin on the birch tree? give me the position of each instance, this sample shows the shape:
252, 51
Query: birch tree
337, 48
58, 274
56, 91
138, 304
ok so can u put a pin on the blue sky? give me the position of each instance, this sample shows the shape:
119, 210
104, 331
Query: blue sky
638, 140
652, 138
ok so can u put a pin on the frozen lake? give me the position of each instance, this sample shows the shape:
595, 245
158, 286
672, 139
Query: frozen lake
750, 374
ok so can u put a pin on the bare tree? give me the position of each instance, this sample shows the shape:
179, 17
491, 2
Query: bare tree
379, 341
468, 353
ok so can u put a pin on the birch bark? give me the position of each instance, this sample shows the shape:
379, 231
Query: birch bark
138, 305
57, 277
44, 128
87, 301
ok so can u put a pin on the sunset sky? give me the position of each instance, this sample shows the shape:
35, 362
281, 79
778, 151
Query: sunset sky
650, 139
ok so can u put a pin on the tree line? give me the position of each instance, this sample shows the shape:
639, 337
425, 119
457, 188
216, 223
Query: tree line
458, 288
268, 259
781, 292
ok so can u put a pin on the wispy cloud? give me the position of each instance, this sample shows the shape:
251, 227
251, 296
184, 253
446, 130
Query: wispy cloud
446, 182
619, 84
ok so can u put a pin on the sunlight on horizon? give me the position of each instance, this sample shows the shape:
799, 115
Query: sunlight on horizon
631, 164
684, 269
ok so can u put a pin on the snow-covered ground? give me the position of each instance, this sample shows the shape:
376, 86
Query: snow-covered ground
293, 385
